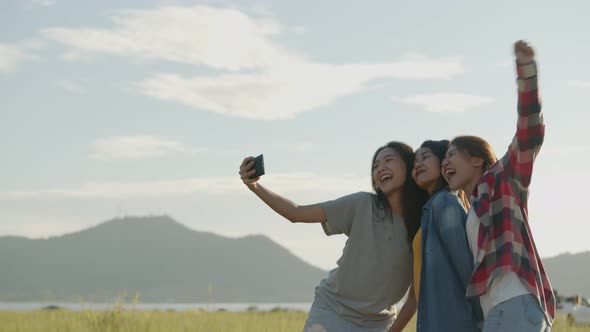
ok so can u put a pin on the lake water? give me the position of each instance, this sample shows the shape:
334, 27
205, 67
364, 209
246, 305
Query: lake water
27, 306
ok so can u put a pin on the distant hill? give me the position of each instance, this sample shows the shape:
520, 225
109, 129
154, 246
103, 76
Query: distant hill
156, 257
164, 261
570, 273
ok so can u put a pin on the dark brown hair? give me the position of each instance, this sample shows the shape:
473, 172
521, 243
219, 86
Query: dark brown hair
413, 198
439, 149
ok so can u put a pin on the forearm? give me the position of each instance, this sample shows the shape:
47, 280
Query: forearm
530, 128
529, 105
288, 208
406, 313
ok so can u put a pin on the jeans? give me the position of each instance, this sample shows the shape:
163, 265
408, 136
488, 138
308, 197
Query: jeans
519, 314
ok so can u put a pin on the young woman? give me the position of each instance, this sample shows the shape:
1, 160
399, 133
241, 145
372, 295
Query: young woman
509, 278
446, 261
374, 271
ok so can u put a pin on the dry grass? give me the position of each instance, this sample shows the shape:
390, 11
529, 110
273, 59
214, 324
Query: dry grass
124, 320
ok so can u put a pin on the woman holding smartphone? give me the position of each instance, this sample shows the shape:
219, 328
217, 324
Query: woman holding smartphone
509, 279
375, 269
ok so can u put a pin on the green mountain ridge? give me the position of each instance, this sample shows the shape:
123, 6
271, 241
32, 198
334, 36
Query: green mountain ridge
157, 258
162, 260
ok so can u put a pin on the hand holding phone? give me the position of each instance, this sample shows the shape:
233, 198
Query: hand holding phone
258, 167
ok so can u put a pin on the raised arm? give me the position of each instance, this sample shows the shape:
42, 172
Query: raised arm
280, 204
530, 129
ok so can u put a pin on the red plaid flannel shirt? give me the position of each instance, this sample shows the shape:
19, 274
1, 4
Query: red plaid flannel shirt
500, 198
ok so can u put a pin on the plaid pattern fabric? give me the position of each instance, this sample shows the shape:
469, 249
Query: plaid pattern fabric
505, 242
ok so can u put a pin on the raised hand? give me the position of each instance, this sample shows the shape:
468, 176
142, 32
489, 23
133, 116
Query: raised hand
246, 170
523, 52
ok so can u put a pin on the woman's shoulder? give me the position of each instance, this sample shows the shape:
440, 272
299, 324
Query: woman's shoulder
356, 198
362, 195
443, 198
357, 195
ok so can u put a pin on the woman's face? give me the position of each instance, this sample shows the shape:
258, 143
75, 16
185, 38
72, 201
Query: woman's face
460, 169
389, 171
426, 171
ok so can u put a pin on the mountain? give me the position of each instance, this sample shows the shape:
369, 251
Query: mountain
164, 261
569, 273
157, 258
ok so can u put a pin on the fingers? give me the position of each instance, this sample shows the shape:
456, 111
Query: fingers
246, 161
246, 166
523, 50
245, 174
246, 171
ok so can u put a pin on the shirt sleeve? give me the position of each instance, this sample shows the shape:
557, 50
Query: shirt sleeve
450, 218
341, 213
530, 128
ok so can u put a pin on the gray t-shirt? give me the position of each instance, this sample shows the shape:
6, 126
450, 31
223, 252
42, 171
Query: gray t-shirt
375, 269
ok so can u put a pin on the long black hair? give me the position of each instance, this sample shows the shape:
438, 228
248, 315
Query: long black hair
439, 148
413, 198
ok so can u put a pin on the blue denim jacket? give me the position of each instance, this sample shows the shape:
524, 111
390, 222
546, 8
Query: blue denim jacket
447, 265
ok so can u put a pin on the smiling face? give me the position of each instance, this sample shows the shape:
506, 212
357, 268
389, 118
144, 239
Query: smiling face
388, 172
426, 171
461, 170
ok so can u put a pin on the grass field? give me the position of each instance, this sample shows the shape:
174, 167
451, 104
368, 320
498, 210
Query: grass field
124, 320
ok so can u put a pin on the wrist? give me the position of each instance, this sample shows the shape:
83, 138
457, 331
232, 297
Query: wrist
526, 68
253, 186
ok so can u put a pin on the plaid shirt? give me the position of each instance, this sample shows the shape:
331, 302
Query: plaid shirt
505, 241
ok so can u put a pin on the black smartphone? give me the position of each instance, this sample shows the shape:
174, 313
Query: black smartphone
258, 167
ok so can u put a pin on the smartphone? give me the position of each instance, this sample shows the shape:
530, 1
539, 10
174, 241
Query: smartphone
258, 167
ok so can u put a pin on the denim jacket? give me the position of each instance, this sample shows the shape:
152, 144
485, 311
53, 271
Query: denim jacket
447, 265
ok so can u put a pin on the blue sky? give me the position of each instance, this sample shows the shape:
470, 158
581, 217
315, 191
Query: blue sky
114, 108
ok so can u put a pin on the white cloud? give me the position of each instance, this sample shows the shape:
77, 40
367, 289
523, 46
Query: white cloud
136, 147
286, 182
13, 54
282, 93
271, 83
219, 38
445, 102
579, 84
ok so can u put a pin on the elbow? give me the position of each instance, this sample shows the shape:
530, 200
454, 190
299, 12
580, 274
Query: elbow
297, 219
296, 215
293, 216
304, 214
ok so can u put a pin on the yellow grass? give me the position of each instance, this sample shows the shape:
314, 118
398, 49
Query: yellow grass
124, 320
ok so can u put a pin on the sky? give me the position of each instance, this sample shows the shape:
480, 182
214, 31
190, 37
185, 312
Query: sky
118, 108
